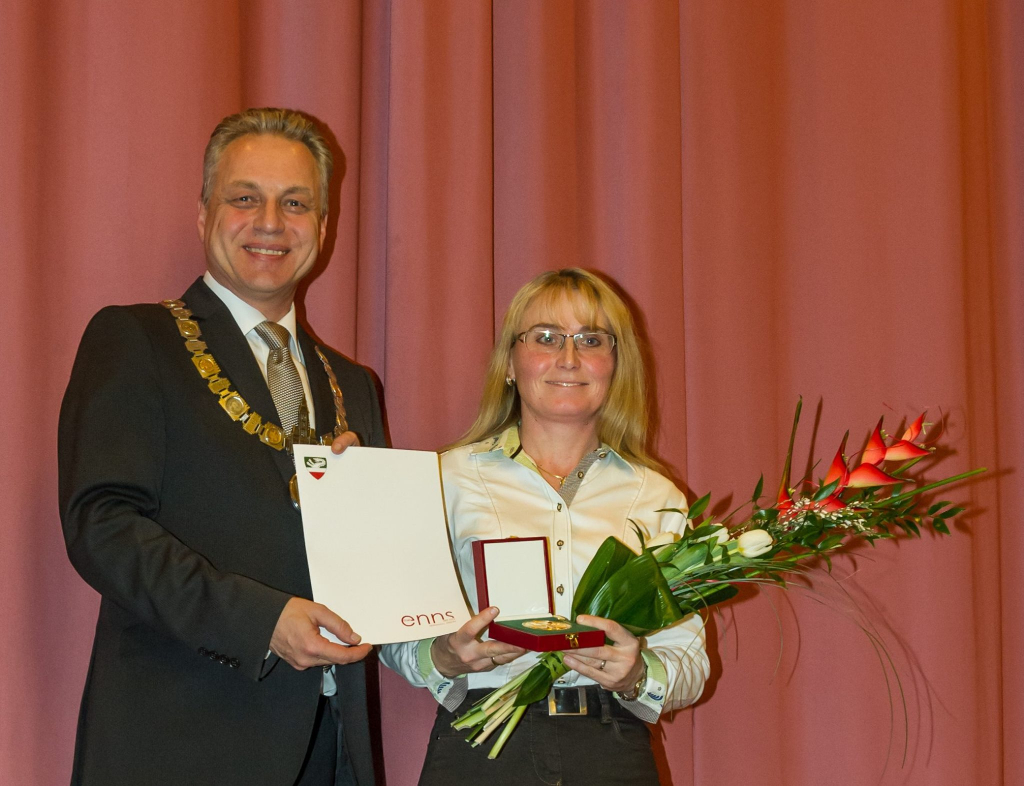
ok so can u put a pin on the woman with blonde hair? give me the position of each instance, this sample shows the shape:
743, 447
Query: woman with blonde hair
558, 450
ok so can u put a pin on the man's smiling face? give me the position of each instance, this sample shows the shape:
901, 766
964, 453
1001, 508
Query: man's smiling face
262, 228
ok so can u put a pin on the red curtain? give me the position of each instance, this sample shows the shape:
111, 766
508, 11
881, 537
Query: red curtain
801, 198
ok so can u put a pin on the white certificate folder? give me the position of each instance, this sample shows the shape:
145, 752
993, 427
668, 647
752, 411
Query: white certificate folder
377, 541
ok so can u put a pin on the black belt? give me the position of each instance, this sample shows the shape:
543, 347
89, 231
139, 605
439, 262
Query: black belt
569, 701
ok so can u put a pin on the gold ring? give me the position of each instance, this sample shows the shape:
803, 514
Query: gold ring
601, 667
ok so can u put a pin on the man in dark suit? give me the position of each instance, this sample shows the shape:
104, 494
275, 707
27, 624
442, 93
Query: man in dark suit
175, 501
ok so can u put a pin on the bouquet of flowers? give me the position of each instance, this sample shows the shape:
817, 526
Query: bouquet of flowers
670, 579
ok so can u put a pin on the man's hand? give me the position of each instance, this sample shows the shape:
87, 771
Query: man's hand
346, 440
297, 638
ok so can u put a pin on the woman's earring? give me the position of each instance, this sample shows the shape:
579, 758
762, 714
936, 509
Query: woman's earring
510, 381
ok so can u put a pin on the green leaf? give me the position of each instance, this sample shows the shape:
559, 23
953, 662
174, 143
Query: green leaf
831, 542
671, 510
948, 514
698, 597
540, 679
612, 555
765, 514
936, 508
698, 507
940, 526
636, 596
757, 489
789, 453
826, 491
693, 554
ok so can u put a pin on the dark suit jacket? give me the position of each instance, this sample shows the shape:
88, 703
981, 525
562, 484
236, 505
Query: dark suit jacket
182, 522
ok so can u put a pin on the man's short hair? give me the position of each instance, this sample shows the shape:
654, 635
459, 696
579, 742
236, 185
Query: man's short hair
287, 123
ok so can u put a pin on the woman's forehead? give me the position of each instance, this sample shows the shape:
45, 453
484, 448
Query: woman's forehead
568, 310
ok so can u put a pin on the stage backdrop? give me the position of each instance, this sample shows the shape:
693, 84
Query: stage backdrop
801, 198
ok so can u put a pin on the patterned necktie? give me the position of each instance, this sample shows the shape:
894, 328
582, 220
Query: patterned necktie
282, 376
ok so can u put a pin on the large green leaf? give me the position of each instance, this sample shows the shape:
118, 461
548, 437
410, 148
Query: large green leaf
540, 679
636, 596
694, 599
612, 555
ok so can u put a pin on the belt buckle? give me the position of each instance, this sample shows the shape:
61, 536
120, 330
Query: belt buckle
567, 701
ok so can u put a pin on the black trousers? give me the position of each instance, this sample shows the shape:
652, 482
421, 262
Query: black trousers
607, 746
326, 763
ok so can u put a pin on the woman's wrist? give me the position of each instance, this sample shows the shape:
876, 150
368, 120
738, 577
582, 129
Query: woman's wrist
440, 654
634, 692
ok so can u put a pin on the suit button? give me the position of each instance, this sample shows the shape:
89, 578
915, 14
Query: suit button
203, 651
223, 659
211, 654
233, 663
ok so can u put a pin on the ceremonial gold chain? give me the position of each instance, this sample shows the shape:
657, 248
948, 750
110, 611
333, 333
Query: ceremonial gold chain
231, 401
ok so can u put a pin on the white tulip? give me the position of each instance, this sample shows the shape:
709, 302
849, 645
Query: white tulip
754, 543
720, 536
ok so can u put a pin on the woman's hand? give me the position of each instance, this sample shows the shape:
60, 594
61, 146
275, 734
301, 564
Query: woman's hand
462, 652
617, 666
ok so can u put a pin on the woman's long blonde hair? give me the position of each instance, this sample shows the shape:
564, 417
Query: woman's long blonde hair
622, 419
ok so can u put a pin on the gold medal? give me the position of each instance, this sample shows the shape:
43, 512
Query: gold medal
546, 625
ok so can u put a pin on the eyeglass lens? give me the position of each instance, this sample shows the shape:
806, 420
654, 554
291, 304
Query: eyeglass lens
549, 341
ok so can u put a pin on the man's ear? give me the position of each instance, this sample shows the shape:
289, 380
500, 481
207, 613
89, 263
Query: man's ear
201, 221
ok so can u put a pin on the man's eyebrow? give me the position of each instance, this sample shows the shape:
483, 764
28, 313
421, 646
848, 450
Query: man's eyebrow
243, 184
255, 187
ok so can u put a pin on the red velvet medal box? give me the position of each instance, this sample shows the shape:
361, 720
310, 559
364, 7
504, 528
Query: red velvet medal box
514, 574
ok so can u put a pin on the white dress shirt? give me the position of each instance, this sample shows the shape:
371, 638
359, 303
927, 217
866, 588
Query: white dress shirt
489, 495
248, 317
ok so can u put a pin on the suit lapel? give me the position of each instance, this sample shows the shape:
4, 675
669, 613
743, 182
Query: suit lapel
229, 346
319, 385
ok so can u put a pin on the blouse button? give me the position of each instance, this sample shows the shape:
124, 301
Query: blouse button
559, 508
560, 543
579, 475
601, 455
560, 589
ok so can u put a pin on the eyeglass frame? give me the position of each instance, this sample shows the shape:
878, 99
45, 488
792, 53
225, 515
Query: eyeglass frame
574, 336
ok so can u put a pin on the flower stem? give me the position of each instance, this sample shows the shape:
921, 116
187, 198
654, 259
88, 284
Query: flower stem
928, 487
506, 732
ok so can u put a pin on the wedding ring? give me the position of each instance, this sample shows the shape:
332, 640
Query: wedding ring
601, 667
494, 662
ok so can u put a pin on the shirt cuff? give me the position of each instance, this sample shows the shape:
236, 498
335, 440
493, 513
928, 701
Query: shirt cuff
649, 704
449, 692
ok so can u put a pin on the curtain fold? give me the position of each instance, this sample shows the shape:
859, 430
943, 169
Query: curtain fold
800, 199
